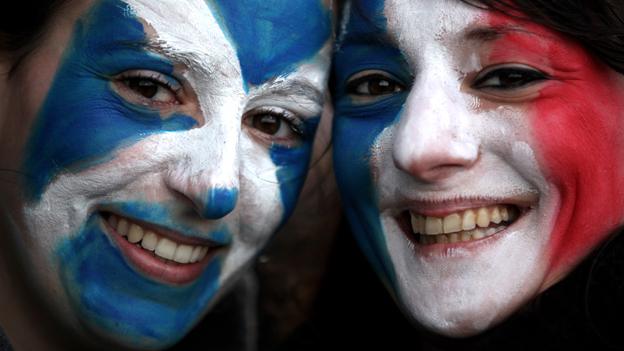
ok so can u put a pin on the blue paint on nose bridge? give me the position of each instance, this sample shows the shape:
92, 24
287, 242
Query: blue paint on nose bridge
219, 202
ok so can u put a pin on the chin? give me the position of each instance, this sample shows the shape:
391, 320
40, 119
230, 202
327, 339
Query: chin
462, 288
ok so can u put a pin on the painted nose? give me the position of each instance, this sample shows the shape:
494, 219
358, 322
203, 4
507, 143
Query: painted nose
433, 138
210, 199
213, 190
218, 202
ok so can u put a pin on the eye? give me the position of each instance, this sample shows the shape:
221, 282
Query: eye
371, 84
508, 78
148, 88
275, 125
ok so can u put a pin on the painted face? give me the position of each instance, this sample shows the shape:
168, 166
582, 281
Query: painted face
480, 157
165, 142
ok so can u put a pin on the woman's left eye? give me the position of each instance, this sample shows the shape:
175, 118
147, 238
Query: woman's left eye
508, 78
147, 88
275, 125
373, 84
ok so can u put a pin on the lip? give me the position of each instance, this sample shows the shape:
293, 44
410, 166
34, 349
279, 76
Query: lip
444, 208
157, 268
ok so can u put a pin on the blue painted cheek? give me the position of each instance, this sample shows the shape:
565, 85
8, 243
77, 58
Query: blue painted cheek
82, 120
292, 167
354, 138
273, 38
357, 127
113, 298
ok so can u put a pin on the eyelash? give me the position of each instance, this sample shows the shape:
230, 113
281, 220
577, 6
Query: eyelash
296, 127
295, 123
528, 76
393, 86
159, 80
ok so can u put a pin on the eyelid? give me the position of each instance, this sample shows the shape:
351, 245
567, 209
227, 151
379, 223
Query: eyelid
507, 95
289, 116
173, 84
370, 73
481, 76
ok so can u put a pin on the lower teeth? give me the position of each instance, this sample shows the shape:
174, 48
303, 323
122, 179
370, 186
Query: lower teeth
463, 236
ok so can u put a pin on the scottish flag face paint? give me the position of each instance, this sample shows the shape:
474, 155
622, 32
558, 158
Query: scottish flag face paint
472, 149
171, 142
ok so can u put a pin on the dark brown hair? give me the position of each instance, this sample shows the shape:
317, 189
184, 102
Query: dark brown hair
22, 25
598, 25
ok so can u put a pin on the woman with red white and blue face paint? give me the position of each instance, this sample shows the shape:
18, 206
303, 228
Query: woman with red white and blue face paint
149, 150
479, 148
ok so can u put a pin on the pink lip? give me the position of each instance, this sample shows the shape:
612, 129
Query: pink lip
157, 268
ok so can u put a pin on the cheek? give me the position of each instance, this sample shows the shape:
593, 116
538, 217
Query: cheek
579, 130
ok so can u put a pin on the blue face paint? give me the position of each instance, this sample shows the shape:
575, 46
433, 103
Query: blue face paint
272, 38
125, 305
219, 202
292, 166
83, 121
363, 46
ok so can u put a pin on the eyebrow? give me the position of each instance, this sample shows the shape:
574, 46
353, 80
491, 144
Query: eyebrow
286, 88
294, 87
486, 34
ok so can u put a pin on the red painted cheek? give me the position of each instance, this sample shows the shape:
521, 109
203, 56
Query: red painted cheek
578, 128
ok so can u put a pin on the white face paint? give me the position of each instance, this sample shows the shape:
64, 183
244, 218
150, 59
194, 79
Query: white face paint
136, 228
448, 156
445, 152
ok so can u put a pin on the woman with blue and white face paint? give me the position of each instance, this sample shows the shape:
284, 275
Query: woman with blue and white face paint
158, 146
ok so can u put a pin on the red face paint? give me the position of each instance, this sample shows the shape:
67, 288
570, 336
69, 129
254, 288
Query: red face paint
577, 124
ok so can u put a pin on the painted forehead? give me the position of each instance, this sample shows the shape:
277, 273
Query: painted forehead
404, 20
269, 39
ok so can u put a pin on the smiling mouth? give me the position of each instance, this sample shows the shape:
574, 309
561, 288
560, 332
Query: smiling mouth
461, 226
159, 254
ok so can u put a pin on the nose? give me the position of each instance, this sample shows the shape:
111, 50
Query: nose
206, 173
210, 197
434, 140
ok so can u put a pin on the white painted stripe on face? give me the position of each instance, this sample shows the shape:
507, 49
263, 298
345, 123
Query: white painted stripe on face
188, 33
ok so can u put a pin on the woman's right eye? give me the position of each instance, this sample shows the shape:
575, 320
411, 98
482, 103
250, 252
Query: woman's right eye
373, 84
147, 88
508, 79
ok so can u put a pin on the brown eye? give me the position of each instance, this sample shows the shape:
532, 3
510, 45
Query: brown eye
268, 124
142, 86
508, 78
147, 88
273, 125
374, 84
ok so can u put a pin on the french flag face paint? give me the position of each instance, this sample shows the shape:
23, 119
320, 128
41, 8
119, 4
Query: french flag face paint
161, 143
479, 157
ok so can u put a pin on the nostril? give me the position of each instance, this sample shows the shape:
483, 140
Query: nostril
219, 202
432, 164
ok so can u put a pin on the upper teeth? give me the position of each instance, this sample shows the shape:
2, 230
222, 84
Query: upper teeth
461, 221
162, 247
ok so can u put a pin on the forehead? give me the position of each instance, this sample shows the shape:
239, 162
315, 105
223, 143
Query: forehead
426, 19
268, 38
411, 24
